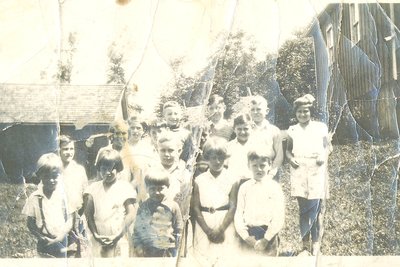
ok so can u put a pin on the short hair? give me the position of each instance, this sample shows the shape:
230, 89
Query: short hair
64, 140
157, 124
260, 152
215, 99
47, 163
136, 119
259, 100
171, 104
157, 178
118, 125
109, 155
306, 100
169, 136
214, 145
242, 119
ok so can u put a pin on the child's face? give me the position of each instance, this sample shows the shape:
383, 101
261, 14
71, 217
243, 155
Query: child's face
258, 112
216, 111
259, 167
119, 137
172, 116
169, 153
154, 132
108, 173
216, 161
135, 131
67, 152
242, 132
50, 179
303, 114
157, 192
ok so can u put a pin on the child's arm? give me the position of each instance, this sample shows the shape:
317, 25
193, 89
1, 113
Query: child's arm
278, 217
177, 225
276, 164
240, 225
184, 195
323, 157
137, 233
232, 208
197, 210
289, 154
89, 213
31, 223
128, 220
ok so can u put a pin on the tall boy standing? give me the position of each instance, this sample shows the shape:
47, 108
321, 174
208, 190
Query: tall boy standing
75, 179
169, 149
265, 131
172, 113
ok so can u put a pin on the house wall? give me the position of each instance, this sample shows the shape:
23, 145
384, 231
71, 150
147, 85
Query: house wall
21, 146
361, 93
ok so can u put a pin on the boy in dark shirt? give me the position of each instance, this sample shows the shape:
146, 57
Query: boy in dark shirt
159, 221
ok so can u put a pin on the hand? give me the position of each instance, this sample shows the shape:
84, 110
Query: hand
115, 239
218, 236
261, 244
251, 241
294, 163
89, 142
214, 236
104, 240
320, 160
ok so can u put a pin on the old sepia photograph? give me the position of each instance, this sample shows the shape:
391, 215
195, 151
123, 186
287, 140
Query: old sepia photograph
199, 133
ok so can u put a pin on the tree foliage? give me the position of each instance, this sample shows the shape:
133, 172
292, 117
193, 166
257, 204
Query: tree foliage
64, 65
238, 73
295, 68
115, 72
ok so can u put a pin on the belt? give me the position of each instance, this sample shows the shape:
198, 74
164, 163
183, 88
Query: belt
212, 210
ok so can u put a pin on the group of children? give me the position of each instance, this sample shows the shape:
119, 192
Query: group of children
146, 202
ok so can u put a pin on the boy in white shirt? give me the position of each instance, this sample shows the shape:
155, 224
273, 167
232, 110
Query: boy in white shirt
260, 208
75, 179
48, 217
266, 132
172, 114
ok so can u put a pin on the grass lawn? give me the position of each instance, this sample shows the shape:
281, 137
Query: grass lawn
361, 215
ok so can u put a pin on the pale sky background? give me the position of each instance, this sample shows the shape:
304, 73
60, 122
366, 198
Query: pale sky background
150, 34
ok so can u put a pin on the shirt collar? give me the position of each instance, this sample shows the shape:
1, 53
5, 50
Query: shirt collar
264, 125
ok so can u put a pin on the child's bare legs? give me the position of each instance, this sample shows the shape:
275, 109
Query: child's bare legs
309, 210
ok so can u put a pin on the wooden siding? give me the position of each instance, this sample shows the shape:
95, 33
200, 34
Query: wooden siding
359, 86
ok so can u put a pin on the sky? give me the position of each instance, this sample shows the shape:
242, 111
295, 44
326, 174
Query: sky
149, 33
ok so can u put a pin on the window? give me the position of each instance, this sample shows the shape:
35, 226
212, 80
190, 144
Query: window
355, 23
329, 43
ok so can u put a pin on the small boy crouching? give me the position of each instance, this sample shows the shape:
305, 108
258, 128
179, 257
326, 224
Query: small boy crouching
260, 208
159, 223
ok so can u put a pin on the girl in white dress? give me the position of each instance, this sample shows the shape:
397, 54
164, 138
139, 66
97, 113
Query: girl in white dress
109, 207
308, 150
214, 204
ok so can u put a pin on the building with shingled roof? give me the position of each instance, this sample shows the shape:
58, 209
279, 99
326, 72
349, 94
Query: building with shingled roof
32, 116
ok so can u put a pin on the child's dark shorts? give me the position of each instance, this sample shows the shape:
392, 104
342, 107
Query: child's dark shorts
157, 252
